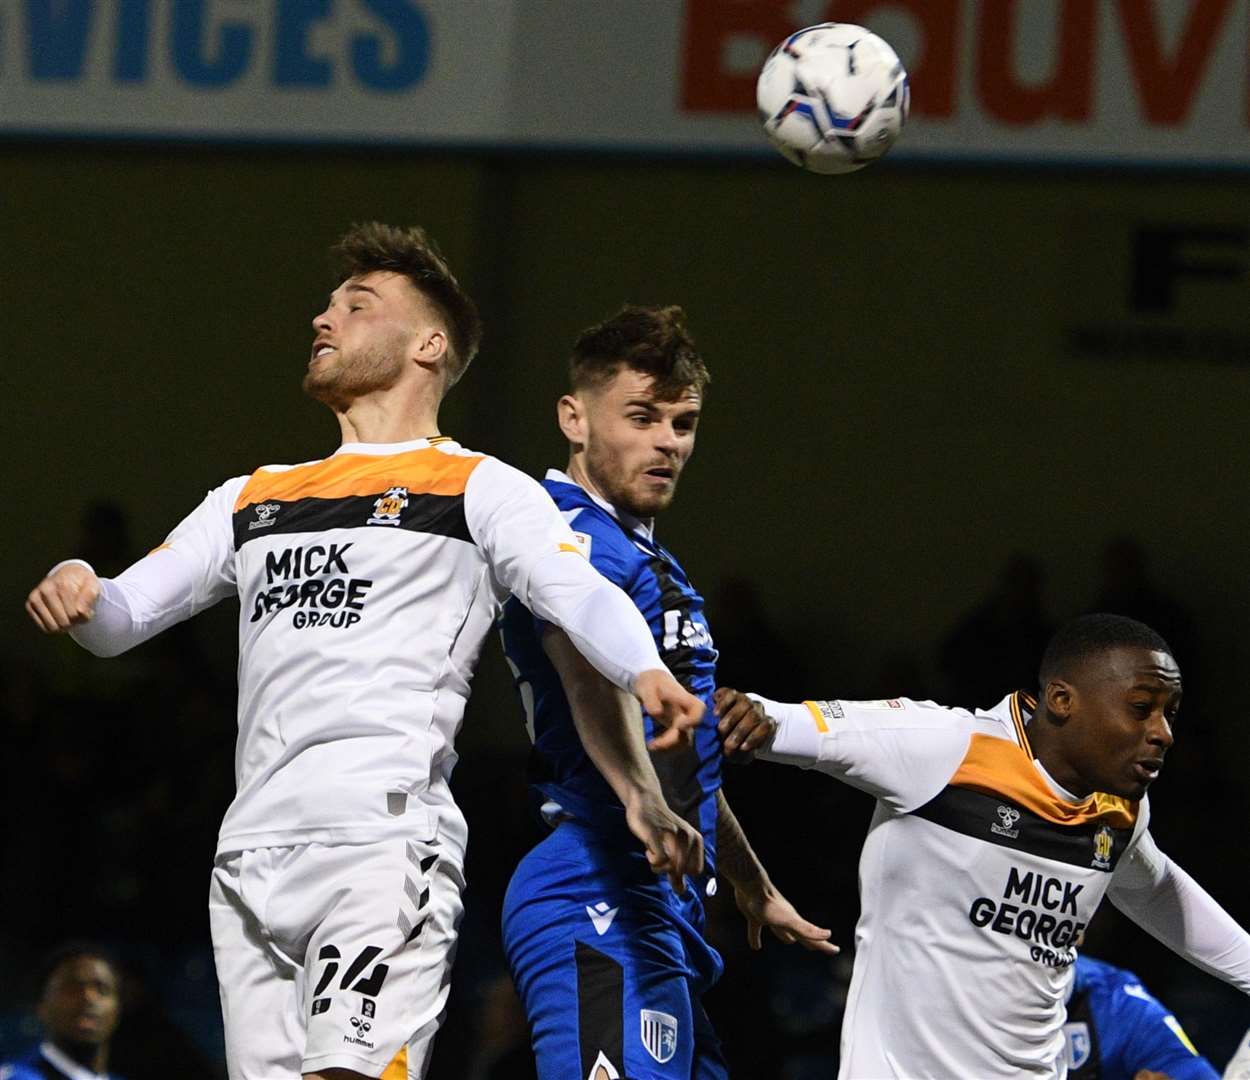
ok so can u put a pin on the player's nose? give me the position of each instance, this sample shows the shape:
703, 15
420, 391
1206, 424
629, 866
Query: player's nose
666, 438
1161, 733
323, 321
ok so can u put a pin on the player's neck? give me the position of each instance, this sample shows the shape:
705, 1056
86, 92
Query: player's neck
388, 418
89, 1056
1051, 758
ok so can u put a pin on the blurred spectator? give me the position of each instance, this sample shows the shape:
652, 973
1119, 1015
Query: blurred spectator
751, 654
104, 537
997, 646
901, 674
1127, 589
502, 1049
79, 1009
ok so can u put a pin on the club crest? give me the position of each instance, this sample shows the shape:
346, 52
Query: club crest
388, 508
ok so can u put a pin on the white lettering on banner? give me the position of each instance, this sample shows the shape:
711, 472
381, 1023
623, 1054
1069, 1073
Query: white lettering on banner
1133, 80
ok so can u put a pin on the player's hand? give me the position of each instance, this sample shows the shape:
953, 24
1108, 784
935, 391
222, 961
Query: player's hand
674, 847
1150, 1074
743, 725
766, 907
671, 706
64, 599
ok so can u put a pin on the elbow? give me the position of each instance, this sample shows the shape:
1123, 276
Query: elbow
103, 647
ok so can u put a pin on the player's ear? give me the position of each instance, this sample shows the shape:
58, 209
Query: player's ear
571, 416
429, 348
1058, 696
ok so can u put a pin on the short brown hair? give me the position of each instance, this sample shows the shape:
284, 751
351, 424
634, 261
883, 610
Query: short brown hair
653, 340
370, 245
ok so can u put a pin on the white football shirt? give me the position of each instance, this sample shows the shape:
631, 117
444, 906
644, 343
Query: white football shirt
977, 880
367, 582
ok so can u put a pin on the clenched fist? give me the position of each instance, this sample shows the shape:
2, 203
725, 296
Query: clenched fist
65, 598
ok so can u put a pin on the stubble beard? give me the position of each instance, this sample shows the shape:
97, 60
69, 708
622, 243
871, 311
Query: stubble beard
611, 480
353, 375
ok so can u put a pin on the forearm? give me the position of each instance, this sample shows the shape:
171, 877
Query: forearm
608, 722
134, 607
797, 739
735, 858
602, 622
1168, 904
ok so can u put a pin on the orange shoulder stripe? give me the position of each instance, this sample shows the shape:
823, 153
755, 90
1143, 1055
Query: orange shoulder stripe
998, 767
425, 471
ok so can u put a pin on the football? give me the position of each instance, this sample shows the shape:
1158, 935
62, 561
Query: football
833, 97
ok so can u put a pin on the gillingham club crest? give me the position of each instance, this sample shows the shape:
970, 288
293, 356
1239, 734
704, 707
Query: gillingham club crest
659, 1034
1080, 1046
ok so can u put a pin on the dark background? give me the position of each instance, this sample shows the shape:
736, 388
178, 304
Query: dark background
950, 408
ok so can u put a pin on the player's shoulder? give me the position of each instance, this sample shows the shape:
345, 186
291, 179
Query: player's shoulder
1116, 986
600, 532
25, 1067
1090, 972
910, 713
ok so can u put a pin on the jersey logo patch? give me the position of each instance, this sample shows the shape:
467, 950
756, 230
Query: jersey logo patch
266, 515
583, 542
1079, 1043
386, 510
1007, 816
659, 1034
601, 915
1103, 843
879, 703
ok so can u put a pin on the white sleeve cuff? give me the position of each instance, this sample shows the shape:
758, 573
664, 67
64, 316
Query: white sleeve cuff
797, 740
71, 562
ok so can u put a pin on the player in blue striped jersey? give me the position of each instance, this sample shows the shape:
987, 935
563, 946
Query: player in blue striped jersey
79, 1008
610, 960
1116, 1029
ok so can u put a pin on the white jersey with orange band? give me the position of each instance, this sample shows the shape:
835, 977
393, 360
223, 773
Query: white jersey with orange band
366, 582
978, 878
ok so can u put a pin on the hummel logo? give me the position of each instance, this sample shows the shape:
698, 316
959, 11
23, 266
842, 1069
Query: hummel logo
601, 915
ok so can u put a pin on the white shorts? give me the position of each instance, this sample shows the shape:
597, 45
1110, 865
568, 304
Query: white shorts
334, 956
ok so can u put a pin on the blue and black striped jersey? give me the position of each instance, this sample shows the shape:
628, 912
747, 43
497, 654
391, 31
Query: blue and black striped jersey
627, 554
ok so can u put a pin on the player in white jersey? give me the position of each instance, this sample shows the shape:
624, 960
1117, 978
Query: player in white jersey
996, 835
367, 581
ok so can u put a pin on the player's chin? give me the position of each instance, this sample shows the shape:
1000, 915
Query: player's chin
1131, 788
648, 503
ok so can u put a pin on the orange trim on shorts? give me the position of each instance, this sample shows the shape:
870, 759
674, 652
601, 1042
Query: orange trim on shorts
999, 767
398, 1068
425, 471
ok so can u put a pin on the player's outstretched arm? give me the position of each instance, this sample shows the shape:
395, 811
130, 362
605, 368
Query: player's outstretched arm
534, 555
759, 900
66, 597
1167, 903
611, 730
192, 570
743, 725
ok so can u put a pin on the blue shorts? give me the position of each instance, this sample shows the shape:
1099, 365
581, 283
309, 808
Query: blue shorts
610, 964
